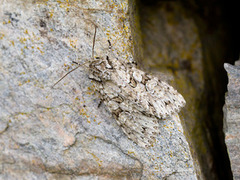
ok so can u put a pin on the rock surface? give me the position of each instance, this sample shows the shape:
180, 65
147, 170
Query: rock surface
172, 46
61, 133
190, 43
232, 117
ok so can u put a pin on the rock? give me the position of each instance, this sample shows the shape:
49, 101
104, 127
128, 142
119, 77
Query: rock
3, 126
60, 133
172, 46
232, 117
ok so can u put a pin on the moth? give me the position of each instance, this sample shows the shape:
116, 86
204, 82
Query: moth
137, 100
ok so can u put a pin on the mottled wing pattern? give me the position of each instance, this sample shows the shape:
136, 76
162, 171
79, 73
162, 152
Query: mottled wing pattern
146, 93
141, 129
135, 99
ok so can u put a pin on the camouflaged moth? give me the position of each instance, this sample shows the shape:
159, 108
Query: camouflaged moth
136, 99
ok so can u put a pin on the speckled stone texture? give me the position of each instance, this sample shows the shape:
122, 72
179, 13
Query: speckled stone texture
232, 117
61, 133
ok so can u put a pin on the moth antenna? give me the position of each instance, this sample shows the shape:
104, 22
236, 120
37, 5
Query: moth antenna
94, 38
67, 74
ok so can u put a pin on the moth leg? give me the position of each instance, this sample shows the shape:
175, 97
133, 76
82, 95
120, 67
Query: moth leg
74, 62
100, 103
109, 44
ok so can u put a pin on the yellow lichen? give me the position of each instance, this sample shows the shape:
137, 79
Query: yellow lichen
96, 159
50, 15
1, 36
12, 42
22, 40
40, 50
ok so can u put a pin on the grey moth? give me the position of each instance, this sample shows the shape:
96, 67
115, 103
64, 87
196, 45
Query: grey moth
137, 100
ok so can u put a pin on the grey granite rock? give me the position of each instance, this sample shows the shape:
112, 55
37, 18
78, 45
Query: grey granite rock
232, 117
61, 133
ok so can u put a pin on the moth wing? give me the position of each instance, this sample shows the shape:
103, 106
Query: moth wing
141, 129
136, 99
147, 94
165, 100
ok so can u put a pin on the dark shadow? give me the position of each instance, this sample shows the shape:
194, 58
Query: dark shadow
220, 40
